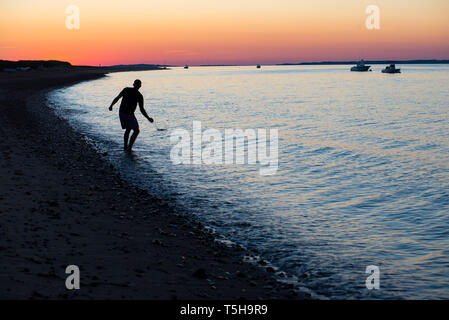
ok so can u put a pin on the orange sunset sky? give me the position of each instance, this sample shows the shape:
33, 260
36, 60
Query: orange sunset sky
222, 32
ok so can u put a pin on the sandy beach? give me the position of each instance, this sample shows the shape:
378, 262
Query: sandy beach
61, 204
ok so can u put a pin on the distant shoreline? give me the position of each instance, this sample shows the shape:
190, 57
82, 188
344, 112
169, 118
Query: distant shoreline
29, 65
327, 63
55, 65
432, 61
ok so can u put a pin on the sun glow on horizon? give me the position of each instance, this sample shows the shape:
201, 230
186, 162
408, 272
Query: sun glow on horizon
218, 32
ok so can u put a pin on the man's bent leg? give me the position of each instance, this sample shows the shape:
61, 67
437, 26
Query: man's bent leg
125, 138
133, 138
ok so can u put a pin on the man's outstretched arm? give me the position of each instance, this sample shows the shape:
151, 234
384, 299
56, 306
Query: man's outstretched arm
115, 100
142, 110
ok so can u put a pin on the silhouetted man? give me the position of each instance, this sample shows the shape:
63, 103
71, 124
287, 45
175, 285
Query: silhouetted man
130, 98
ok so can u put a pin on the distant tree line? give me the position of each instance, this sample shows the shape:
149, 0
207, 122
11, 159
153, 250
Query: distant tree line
32, 64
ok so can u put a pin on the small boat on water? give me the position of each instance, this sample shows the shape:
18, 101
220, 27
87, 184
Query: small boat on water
186, 67
258, 66
391, 69
361, 67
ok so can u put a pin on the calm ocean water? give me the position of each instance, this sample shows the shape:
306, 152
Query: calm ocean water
363, 174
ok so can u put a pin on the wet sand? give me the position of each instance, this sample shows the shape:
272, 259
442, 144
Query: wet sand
62, 204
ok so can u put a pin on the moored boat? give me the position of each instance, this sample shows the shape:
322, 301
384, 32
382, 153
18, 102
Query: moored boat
361, 67
391, 69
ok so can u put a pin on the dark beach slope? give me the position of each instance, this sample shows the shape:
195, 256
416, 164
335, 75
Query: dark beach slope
61, 204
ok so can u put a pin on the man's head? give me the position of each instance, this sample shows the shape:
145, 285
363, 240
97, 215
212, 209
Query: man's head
137, 84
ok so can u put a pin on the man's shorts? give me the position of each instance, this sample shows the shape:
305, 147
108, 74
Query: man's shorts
128, 121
